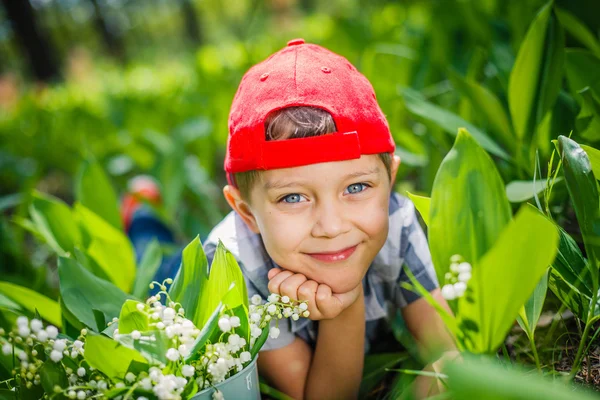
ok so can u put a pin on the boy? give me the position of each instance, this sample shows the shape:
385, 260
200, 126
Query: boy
311, 166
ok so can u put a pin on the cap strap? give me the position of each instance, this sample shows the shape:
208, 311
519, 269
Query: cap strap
312, 150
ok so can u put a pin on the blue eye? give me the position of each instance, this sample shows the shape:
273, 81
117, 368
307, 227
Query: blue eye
292, 198
356, 188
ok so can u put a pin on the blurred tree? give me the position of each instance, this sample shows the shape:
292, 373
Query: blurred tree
35, 45
190, 18
110, 33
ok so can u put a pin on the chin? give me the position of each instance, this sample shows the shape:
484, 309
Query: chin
342, 285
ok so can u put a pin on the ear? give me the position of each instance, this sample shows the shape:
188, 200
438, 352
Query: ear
240, 206
394, 168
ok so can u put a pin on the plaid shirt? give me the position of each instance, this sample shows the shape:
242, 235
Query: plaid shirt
406, 245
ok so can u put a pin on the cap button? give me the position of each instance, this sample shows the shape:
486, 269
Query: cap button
295, 42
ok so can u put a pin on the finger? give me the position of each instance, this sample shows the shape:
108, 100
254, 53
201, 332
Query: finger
273, 272
307, 292
277, 279
290, 286
323, 299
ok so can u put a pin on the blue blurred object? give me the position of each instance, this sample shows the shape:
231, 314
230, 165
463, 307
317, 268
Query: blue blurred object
144, 227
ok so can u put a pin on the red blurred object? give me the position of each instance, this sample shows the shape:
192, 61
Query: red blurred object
141, 189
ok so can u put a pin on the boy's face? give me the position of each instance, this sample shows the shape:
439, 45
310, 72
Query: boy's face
327, 221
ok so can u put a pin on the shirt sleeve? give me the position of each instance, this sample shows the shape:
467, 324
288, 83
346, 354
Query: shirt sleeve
286, 336
414, 250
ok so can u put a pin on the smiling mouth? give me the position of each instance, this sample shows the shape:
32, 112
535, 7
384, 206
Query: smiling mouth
334, 256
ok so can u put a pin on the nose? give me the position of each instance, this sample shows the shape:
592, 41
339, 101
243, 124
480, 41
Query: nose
331, 221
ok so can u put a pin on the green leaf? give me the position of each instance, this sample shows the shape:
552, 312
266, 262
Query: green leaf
31, 300
54, 221
207, 331
226, 284
570, 278
493, 300
109, 356
52, 374
448, 121
578, 30
131, 319
152, 345
594, 157
422, 204
190, 283
485, 103
532, 73
147, 268
469, 208
583, 190
6, 394
109, 247
588, 119
583, 69
82, 292
531, 311
96, 193
481, 378
520, 191
374, 370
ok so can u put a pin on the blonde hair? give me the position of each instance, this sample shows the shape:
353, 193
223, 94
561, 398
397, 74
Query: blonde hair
294, 123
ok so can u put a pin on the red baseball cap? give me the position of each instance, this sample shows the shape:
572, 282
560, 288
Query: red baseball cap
304, 74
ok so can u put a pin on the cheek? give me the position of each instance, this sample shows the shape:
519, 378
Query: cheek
282, 234
375, 223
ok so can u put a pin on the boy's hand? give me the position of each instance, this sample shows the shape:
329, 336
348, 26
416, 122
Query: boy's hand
322, 303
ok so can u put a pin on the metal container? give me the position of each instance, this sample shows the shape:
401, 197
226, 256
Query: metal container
242, 386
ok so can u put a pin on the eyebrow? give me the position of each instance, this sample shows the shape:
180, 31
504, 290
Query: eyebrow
282, 184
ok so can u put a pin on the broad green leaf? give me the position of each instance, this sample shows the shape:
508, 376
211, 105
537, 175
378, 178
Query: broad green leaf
520, 191
493, 300
54, 221
583, 69
523, 86
31, 300
96, 193
207, 331
570, 278
147, 268
583, 190
551, 72
131, 319
479, 378
374, 370
109, 356
109, 247
260, 341
224, 273
82, 292
588, 119
469, 208
578, 30
422, 204
594, 157
191, 281
152, 345
448, 121
52, 374
531, 311
6, 394
485, 103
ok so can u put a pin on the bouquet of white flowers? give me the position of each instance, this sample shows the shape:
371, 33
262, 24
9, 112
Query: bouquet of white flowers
155, 349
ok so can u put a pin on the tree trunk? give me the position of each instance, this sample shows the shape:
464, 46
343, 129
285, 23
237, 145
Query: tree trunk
190, 18
35, 45
112, 40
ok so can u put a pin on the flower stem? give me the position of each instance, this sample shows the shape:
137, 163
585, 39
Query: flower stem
535, 353
586, 331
